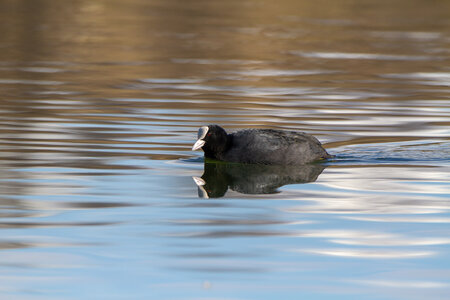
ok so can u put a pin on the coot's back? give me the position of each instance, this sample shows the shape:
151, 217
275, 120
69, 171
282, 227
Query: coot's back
269, 146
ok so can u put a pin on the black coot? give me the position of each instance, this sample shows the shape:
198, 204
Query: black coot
259, 146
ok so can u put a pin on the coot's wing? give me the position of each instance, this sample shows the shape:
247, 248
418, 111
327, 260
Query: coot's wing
266, 146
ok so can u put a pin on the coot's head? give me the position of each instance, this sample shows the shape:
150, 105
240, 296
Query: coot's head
213, 140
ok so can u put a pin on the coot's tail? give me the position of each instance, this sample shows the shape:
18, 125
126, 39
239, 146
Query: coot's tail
328, 156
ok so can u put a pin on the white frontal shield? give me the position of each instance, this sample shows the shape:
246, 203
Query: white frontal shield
200, 135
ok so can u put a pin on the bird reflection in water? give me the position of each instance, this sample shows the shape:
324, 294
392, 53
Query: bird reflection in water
218, 177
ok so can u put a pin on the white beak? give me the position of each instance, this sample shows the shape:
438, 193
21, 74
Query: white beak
198, 144
198, 181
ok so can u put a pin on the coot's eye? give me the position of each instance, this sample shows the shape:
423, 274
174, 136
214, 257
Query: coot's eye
209, 134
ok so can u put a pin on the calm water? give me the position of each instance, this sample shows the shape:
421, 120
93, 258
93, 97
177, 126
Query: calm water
100, 103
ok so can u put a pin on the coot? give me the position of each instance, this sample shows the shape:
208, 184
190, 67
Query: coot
259, 146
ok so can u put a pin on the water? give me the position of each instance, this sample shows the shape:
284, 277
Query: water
100, 105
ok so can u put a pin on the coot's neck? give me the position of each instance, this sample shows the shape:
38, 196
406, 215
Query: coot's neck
219, 148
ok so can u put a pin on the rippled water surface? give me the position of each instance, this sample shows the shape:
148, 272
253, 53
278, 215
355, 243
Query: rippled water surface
100, 104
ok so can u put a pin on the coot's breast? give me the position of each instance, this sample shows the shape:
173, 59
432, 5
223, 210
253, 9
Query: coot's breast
267, 146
